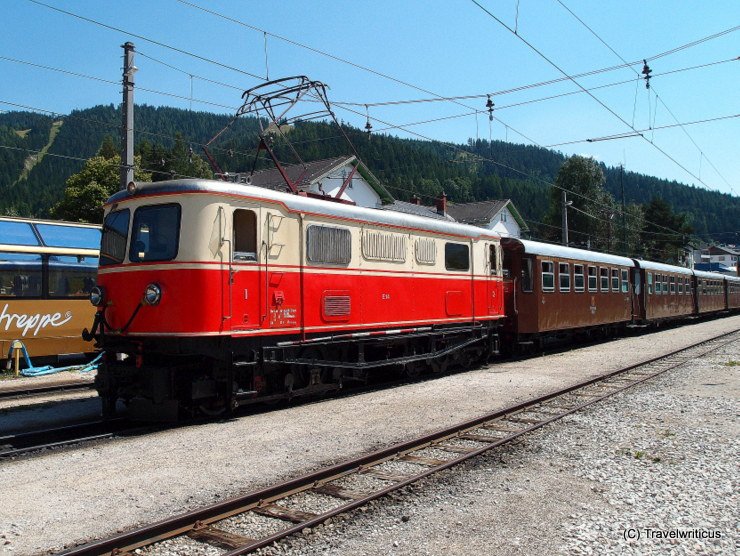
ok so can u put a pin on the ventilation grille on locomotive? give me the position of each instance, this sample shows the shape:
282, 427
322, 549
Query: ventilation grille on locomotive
381, 246
426, 251
329, 245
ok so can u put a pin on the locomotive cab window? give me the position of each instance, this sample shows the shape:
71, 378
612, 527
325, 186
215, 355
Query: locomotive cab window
245, 235
457, 256
493, 260
115, 235
578, 278
564, 276
156, 233
548, 276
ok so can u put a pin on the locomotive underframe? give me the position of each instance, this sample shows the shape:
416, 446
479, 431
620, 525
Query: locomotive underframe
167, 378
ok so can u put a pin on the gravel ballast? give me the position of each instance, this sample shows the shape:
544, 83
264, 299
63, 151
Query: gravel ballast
664, 462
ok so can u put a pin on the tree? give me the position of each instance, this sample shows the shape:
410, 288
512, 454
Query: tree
87, 191
107, 148
665, 233
591, 214
178, 162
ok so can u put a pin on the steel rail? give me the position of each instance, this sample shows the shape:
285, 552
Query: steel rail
197, 522
32, 441
33, 391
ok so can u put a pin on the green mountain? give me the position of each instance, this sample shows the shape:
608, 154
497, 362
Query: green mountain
38, 153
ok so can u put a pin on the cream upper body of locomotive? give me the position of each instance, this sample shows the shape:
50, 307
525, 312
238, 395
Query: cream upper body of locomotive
207, 224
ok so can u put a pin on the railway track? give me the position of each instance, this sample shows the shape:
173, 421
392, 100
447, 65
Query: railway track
58, 437
337, 486
34, 391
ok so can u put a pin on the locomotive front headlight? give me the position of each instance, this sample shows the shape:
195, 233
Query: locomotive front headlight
97, 295
152, 294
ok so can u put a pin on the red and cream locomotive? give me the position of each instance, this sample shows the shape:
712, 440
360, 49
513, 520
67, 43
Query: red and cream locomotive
211, 294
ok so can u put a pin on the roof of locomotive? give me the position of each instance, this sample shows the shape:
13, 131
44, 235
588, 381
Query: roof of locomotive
299, 203
560, 251
650, 265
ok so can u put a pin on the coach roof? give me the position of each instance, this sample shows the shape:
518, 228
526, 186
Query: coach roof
662, 267
562, 252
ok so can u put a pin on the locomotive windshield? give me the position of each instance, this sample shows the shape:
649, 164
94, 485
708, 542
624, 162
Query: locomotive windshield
113, 241
156, 233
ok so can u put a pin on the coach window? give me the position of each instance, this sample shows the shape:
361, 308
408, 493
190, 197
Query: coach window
673, 285
615, 280
650, 282
578, 278
658, 284
548, 276
457, 256
527, 275
680, 285
625, 280
592, 279
72, 275
20, 275
603, 279
688, 286
564, 276
665, 285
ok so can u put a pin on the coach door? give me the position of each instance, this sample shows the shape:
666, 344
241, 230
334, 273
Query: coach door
245, 291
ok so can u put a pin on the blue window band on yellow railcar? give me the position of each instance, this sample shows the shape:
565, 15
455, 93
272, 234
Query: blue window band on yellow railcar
17, 233
76, 237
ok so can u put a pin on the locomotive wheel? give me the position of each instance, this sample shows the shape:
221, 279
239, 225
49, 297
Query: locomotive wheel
108, 406
214, 409
414, 369
439, 364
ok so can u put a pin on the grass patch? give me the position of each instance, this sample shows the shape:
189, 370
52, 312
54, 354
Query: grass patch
732, 364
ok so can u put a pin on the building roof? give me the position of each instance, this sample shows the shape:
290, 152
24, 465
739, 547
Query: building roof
482, 212
301, 175
417, 210
305, 175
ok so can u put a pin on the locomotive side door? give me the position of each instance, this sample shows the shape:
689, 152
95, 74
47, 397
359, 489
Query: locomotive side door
494, 291
245, 272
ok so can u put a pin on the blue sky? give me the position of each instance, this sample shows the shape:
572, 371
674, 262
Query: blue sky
453, 48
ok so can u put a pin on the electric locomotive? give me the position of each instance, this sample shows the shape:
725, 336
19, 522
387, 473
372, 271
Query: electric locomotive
213, 294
